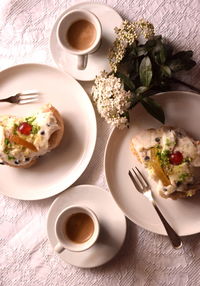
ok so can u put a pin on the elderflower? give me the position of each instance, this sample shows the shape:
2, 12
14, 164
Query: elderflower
111, 99
126, 35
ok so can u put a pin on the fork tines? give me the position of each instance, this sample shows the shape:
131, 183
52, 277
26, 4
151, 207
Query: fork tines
28, 96
138, 180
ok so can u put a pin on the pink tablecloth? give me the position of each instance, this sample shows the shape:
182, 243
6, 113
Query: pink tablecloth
26, 257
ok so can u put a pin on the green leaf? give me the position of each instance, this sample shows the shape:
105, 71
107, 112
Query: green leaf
180, 64
145, 71
141, 89
128, 83
134, 73
183, 55
162, 56
154, 109
141, 51
131, 53
168, 50
151, 43
181, 61
166, 71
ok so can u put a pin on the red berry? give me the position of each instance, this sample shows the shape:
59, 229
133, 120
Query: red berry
25, 128
176, 158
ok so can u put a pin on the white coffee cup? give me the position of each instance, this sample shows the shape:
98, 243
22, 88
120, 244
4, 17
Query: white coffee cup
74, 230
69, 23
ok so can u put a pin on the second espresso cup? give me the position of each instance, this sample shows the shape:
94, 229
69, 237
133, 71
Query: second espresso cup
76, 228
79, 33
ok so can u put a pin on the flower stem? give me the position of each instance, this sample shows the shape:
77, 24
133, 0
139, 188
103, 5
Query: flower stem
176, 80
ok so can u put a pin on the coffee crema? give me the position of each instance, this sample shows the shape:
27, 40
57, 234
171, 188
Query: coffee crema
81, 35
79, 228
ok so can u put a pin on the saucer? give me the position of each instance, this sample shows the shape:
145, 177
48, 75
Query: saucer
97, 61
112, 225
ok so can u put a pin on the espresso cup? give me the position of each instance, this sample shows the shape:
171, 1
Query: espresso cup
76, 228
79, 33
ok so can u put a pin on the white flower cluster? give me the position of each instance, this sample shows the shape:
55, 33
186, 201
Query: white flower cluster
111, 99
126, 35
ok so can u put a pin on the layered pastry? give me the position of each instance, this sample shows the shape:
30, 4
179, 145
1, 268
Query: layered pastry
172, 159
24, 140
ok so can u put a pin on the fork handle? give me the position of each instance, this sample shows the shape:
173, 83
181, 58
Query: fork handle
7, 99
173, 236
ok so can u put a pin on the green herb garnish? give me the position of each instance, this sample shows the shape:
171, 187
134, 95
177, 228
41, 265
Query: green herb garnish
11, 157
163, 157
187, 160
15, 129
168, 142
30, 119
182, 177
7, 141
35, 129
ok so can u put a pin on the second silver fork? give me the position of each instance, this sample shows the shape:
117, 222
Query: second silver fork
22, 97
143, 187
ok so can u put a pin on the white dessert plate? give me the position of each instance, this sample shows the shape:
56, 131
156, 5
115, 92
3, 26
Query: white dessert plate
60, 168
182, 109
112, 225
97, 61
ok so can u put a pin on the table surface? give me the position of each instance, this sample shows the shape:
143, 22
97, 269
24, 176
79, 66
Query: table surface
26, 257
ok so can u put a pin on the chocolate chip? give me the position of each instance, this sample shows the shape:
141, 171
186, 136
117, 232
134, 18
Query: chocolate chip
157, 139
42, 132
178, 184
17, 162
146, 158
2, 163
27, 159
48, 124
179, 134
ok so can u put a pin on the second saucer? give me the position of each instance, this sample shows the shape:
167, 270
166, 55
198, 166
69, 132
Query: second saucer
98, 61
111, 220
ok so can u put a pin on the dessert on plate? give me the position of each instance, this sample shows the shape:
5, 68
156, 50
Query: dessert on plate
24, 140
172, 159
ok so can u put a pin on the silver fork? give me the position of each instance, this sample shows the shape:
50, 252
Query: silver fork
143, 187
22, 97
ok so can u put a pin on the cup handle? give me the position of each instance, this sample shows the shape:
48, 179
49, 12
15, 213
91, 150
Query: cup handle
59, 248
82, 62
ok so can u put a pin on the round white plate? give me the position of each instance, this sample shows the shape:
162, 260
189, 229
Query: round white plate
182, 109
60, 168
112, 225
97, 61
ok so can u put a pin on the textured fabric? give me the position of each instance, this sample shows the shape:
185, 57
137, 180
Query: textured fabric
26, 257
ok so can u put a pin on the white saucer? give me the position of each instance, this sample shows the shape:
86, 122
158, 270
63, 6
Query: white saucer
98, 61
112, 225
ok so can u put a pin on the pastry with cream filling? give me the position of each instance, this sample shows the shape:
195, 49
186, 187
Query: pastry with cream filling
172, 159
24, 140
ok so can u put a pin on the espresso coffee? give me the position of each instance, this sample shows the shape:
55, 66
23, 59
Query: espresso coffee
79, 228
81, 35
